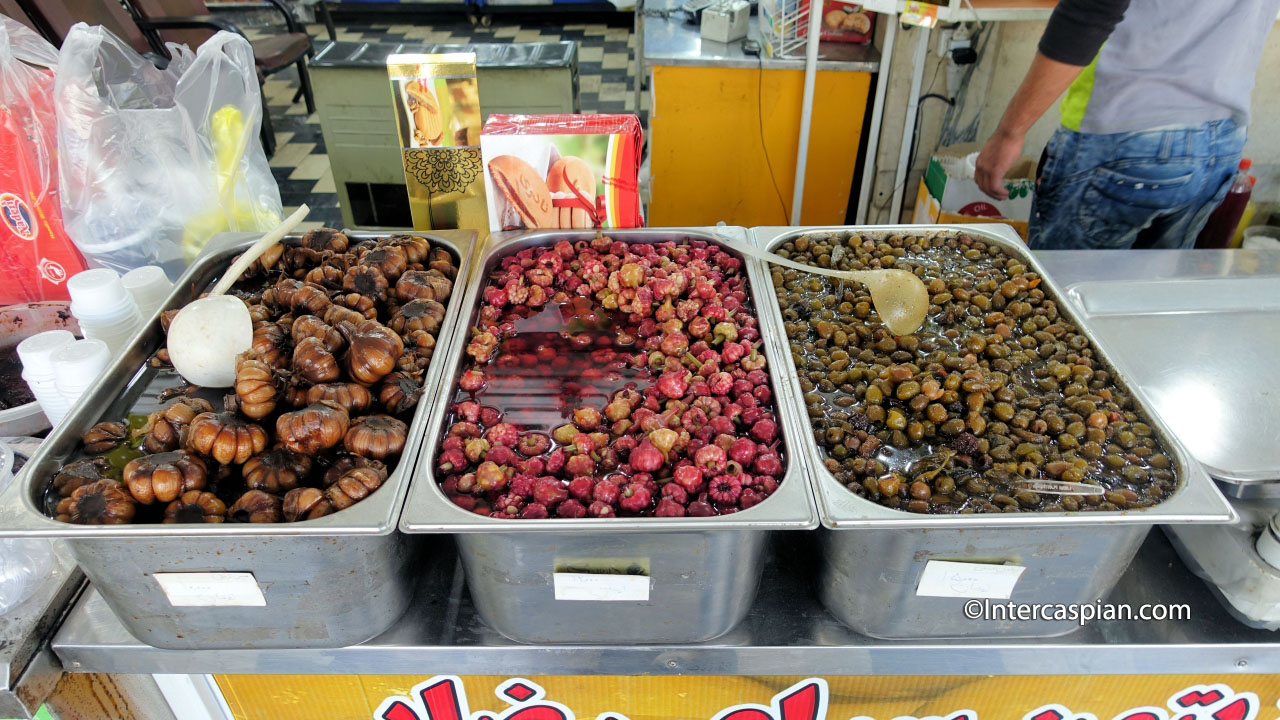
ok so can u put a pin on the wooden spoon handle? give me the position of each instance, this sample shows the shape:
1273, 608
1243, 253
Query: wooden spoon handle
255, 251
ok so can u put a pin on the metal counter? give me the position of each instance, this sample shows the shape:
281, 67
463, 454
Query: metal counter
670, 41
28, 668
787, 628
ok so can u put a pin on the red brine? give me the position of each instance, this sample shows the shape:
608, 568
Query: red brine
609, 379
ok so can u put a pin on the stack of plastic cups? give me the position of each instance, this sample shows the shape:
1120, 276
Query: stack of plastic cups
77, 366
149, 286
105, 310
36, 354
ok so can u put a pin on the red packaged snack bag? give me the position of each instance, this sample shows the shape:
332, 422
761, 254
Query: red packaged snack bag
36, 256
562, 171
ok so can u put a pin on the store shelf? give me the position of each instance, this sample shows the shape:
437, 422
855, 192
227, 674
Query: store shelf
670, 41
787, 631
999, 10
980, 10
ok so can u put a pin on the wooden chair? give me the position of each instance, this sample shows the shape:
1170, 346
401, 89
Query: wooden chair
15, 11
54, 19
57, 16
272, 53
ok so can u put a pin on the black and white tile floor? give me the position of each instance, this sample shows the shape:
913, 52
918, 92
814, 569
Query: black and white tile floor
300, 164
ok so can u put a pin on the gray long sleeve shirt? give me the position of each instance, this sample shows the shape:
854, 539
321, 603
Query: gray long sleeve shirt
1158, 63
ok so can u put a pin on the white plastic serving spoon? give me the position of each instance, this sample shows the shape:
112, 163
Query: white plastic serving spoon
207, 334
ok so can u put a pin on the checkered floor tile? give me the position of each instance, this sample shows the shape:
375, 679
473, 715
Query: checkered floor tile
300, 165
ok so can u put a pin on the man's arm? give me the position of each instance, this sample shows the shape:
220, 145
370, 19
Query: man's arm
1045, 82
1076, 31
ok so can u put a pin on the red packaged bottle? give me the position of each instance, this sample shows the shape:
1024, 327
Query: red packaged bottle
1222, 223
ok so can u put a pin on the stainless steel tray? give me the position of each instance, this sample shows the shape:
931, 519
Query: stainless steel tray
874, 556
703, 571
1196, 499
1214, 387
317, 575
1214, 392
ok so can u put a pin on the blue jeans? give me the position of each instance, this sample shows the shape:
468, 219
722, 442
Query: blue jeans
1141, 189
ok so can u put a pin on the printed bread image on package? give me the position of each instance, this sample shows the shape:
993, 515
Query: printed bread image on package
842, 22
436, 100
562, 171
428, 130
527, 195
437, 109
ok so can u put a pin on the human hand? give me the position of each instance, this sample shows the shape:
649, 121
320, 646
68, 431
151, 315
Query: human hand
997, 156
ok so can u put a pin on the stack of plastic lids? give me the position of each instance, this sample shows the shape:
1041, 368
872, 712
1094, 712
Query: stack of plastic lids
104, 309
149, 287
36, 354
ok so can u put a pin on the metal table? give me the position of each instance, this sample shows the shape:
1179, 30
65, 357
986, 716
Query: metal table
28, 668
672, 41
788, 628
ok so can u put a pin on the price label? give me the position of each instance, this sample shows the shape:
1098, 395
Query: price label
211, 589
601, 587
922, 14
943, 578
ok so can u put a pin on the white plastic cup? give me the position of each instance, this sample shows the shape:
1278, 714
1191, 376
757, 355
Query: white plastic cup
36, 354
105, 310
1261, 237
149, 286
1269, 542
50, 399
78, 366
96, 292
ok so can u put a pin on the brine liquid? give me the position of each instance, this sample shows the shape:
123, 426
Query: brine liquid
565, 356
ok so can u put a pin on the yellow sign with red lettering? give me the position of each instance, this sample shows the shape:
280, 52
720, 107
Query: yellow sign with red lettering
922, 14
447, 697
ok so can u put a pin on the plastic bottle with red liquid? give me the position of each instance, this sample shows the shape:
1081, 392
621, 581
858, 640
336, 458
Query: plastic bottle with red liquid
1222, 223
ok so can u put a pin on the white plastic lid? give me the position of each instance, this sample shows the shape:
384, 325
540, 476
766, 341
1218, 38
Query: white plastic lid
148, 278
96, 289
80, 362
36, 351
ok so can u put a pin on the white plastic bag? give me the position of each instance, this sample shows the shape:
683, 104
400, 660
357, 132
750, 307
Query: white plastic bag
155, 162
24, 563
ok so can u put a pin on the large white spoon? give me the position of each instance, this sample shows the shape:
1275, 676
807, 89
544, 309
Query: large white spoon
207, 334
900, 298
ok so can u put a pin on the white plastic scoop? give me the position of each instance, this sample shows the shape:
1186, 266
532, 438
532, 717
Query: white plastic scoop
900, 298
207, 334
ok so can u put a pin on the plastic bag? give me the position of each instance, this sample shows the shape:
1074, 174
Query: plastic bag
24, 564
36, 256
155, 162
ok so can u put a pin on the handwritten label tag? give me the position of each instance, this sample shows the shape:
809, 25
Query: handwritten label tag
943, 578
601, 587
211, 589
